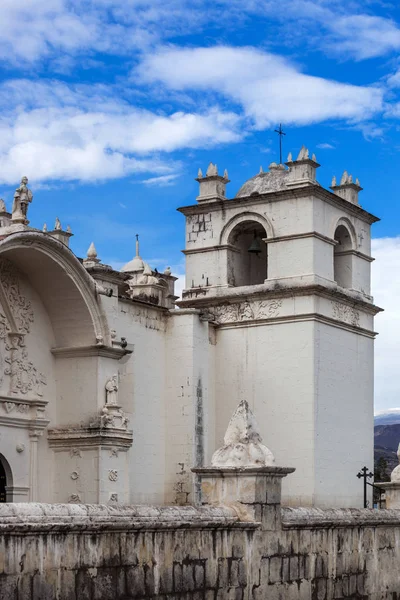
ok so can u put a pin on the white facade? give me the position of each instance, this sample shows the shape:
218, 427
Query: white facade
110, 394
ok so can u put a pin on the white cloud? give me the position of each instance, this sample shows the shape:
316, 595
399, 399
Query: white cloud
364, 36
268, 86
386, 290
53, 131
58, 30
161, 180
325, 146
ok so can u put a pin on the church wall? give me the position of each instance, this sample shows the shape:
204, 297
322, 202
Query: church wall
189, 401
142, 396
272, 367
77, 390
344, 414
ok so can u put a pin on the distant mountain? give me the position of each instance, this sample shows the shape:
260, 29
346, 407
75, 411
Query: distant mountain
387, 438
388, 417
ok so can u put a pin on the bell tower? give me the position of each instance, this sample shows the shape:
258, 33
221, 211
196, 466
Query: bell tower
282, 274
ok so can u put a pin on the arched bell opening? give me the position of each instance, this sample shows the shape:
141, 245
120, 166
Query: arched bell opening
6, 481
248, 258
342, 257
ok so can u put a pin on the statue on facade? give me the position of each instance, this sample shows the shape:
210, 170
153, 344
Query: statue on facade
22, 197
112, 390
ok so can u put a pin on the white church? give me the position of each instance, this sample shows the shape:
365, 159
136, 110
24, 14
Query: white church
111, 393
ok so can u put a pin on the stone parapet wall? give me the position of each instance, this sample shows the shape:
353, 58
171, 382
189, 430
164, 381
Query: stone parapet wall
97, 552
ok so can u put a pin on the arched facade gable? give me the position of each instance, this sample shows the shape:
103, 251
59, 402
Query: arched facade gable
350, 228
67, 291
243, 217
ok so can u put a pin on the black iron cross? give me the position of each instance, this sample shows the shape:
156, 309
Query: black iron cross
364, 474
280, 132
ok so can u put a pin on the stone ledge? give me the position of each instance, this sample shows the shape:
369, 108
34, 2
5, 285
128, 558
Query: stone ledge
310, 518
35, 517
232, 471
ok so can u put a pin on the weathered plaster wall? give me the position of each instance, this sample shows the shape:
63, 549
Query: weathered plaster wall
142, 394
344, 398
98, 553
272, 367
190, 403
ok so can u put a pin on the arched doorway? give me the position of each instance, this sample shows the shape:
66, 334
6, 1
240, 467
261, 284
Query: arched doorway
248, 265
5, 480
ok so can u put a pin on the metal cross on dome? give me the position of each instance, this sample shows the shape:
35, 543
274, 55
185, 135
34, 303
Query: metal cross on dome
280, 132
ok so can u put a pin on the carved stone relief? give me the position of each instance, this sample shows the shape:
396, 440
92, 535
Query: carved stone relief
245, 311
346, 313
24, 377
113, 475
114, 498
74, 499
11, 406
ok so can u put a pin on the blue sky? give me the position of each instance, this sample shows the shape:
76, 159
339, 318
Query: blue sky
110, 107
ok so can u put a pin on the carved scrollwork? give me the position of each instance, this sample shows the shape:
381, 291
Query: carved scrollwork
74, 499
113, 475
20, 306
24, 376
346, 313
245, 311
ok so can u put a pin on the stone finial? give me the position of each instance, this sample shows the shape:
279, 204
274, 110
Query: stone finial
92, 252
358, 182
212, 186
2, 206
303, 154
147, 277
261, 170
242, 443
211, 170
57, 225
347, 189
69, 230
314, 158
44, 229
289, 158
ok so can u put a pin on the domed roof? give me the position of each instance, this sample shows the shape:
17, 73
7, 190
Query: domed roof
136, 264
273, 180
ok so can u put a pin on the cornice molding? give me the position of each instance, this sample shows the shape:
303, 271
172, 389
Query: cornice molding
299, 236
84, 351
212, 249
311, 190
231, 296
89, 437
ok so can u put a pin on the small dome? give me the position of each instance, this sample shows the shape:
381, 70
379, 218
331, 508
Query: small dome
134, 265
273, 180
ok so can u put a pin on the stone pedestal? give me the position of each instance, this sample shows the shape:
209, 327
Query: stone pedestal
392, 493
255, 492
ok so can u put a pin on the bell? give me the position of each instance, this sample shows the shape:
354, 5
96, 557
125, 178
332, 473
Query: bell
255, 246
